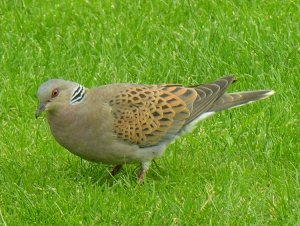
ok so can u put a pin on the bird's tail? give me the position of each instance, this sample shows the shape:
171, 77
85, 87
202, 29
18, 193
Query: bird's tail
232, 100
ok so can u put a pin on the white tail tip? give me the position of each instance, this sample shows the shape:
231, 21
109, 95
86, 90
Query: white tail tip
270, 93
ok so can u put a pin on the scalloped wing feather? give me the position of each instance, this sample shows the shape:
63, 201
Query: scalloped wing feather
148, 114
144, 115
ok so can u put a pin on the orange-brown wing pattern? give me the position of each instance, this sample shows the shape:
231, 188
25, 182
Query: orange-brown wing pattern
144, 115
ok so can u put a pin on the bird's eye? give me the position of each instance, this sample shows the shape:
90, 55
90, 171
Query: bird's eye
54, 93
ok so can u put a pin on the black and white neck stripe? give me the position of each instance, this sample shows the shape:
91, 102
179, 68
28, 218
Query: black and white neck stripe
78, 94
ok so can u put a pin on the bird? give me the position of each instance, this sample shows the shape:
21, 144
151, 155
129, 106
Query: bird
126, 123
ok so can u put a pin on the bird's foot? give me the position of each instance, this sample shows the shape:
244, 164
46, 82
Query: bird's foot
142, 174
116, 170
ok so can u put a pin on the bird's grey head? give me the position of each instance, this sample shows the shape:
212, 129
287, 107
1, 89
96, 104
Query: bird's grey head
56, 92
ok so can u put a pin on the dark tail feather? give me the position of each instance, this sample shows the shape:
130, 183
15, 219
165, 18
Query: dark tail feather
231, 100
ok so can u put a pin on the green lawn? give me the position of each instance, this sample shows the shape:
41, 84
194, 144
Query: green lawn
240, 167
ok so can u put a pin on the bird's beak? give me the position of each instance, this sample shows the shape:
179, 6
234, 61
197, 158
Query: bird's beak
40, 109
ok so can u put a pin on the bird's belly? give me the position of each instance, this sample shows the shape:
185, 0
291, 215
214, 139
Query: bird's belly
98, 143
104, 148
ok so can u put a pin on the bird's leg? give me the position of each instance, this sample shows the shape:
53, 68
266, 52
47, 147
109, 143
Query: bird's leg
144, 169
116, 170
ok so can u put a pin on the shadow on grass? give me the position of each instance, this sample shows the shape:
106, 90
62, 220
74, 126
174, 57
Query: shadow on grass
100, 174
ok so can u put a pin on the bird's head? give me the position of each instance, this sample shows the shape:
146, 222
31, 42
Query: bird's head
57, 92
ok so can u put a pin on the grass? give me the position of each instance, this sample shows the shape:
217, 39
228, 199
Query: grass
240, 167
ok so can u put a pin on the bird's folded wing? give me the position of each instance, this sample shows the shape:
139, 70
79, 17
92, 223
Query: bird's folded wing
145, 115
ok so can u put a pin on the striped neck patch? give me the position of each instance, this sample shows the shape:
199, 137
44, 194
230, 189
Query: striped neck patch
78, 94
